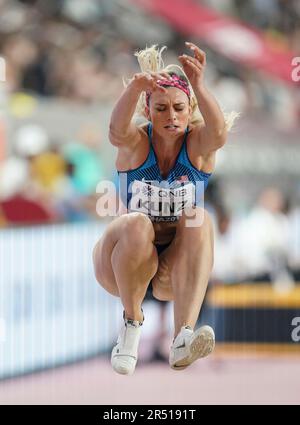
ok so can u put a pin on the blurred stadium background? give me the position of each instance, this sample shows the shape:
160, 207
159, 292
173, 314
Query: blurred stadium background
62, 64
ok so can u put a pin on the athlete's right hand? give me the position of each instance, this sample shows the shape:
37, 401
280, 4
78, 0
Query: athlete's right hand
148, 81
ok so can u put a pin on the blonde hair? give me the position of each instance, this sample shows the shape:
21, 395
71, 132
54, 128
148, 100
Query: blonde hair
150, 60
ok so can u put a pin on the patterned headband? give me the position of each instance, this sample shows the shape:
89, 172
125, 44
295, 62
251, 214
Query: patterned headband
175, 82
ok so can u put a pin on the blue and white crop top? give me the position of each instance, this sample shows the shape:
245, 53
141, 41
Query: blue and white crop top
143, 189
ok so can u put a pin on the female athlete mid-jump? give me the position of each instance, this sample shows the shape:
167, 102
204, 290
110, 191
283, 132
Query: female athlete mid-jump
162, 246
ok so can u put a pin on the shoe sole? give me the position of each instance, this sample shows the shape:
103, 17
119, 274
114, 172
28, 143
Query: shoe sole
202, 344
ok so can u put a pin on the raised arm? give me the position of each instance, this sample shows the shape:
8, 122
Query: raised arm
213, 134
122, 129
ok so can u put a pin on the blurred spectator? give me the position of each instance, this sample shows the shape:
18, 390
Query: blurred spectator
47, 169
14, 172
19, 210
294, 235
17, 205
226, 268
85, 167
263, 239
30, 140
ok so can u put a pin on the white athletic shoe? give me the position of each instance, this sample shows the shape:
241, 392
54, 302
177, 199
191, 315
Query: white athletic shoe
189, 346
124, 355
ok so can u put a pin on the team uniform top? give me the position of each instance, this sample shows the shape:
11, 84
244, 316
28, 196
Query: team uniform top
162, 199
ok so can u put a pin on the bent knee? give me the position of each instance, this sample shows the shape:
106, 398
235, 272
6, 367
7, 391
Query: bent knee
137, 228
138, 221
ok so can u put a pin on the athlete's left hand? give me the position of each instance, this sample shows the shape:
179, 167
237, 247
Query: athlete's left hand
194, 67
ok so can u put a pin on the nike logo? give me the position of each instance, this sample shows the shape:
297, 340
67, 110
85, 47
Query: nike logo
181, 346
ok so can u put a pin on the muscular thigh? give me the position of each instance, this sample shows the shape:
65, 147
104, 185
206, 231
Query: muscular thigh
128, 224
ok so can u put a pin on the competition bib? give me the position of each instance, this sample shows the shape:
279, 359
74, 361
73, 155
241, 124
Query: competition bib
161, 201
